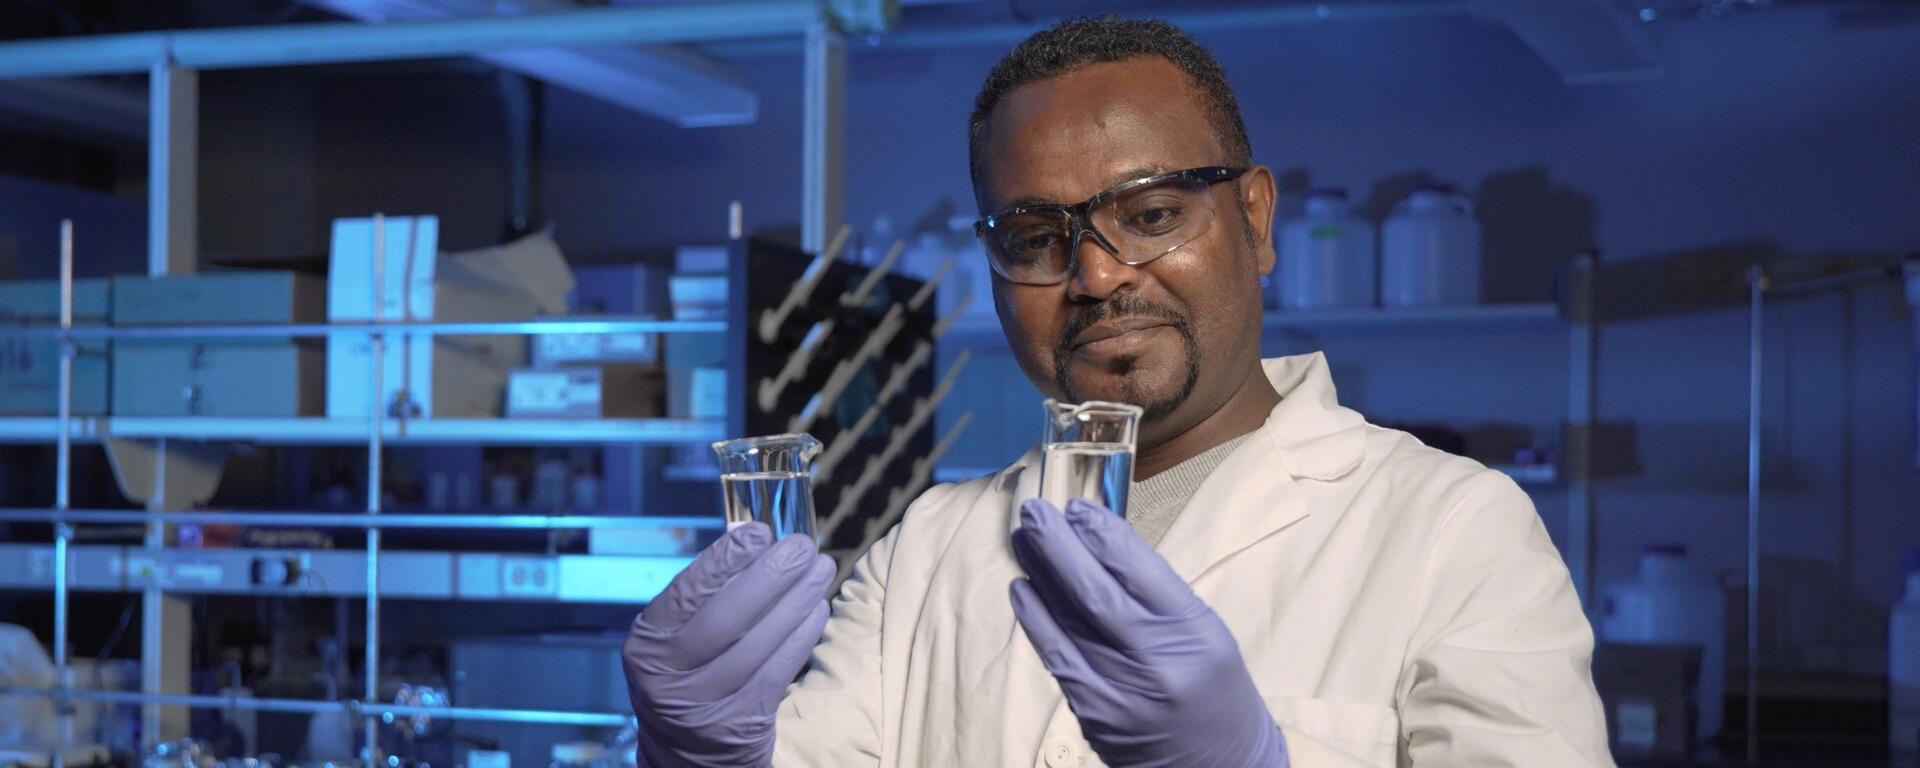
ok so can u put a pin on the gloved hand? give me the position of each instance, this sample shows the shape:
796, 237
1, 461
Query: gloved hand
1152, 674
709, 660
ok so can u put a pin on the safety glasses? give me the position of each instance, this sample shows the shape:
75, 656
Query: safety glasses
1137, 222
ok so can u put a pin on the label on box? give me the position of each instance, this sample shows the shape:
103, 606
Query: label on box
554, 393
1637, 724
698, 297
571, 348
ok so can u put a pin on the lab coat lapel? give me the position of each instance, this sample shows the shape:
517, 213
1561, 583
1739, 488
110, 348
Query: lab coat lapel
1245, 500
1266, 484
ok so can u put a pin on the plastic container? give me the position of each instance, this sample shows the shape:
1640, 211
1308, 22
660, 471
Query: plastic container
1326, 256
1903, 667
550, 480
577, 754
1430, 250
1669, 604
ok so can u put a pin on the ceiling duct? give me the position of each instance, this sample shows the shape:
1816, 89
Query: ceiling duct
668, 82
1586, 41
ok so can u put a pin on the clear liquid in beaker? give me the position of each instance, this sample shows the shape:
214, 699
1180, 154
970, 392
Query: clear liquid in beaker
782, 500
1097, 471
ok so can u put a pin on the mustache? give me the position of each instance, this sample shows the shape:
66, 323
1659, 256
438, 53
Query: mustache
1123, 305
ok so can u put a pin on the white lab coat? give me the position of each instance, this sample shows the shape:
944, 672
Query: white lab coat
1395, 605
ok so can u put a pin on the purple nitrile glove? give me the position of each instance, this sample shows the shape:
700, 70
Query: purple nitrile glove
709, 660
1151, 672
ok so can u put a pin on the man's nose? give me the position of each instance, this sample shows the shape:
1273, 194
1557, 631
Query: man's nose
1097, 272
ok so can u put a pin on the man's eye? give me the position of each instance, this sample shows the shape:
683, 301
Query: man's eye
1038, 243
1155, 220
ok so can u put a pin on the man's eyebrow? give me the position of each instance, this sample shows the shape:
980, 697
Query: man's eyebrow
1115, 180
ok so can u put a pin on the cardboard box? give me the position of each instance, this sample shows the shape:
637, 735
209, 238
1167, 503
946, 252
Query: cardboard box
218, 377
219, 298
698, 297
423, 375
585, 392
707, 393
1649, 694
30, 368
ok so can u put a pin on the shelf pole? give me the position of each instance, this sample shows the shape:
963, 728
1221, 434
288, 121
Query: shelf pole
376, 410
1583, 353
1757, 284
823, 134
62, 532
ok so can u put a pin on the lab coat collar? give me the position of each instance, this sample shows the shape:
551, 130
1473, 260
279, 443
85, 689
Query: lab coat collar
1308, 435
1313, 436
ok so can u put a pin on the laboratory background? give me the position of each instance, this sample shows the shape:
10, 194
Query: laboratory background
361, 360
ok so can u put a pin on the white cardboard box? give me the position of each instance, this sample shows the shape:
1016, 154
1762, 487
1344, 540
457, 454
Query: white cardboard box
424, 375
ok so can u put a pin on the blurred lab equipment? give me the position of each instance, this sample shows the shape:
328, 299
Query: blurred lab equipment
185, 753
578, 754
1430, 250
1326, 256
1763, 288
766, 479
1087, 452
550, 479
1647, 690
1903, 665
1668, 604
24, 721
1910, 275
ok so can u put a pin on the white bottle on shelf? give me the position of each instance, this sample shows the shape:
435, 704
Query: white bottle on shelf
1669, 603
1430, 250
1326, 256
550, 480
1903, 667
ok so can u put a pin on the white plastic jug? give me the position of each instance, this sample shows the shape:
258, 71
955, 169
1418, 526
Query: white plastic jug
1668, 603
1903, 668
1430, 250
1326, 256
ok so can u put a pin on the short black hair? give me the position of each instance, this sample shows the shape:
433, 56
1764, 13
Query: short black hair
1076, 43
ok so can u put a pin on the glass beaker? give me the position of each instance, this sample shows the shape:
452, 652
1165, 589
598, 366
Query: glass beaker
766, 479
1087, 452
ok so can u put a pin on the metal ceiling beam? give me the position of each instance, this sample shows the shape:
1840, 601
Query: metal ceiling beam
1192, 18
671, 83
343, 42
657, 81
1586, 41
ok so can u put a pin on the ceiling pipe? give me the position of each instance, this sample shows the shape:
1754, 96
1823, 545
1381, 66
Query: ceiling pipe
342, 42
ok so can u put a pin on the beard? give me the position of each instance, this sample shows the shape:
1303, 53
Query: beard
1123, 366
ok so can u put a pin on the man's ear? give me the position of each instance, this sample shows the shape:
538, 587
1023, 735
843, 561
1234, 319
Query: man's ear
1257, 200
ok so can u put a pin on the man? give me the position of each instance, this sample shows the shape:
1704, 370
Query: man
1291, 586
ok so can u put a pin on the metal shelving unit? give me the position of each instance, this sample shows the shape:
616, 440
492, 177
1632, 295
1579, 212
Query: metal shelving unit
159, 572
326, 431
172, 60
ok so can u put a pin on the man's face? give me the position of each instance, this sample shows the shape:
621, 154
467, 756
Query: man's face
1177, 335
